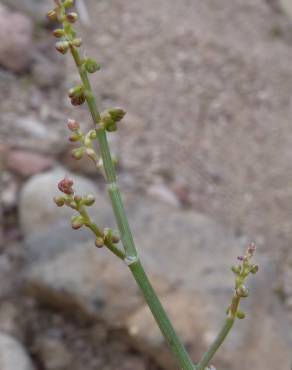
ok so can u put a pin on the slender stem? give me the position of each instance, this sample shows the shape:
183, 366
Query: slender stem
160, 316
136, 268
98, 233
216, 344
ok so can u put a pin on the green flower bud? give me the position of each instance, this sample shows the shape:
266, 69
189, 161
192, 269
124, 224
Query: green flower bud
91, 153
242, 291
68, 3
89, 200
78, 153
74, 137
60, 201
92, 134
77, 222
72, 17
117, 114
112, 127
236, 269
62, 47
77, 198
115, 238
106, 119
77, 42
91, 65
240, 315
99, 242
254, 269
76, 94
58, 33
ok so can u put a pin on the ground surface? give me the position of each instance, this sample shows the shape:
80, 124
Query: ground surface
207, 85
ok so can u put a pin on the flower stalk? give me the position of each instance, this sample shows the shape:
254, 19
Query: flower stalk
109, 121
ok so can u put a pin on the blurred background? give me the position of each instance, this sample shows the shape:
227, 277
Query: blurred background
205, 166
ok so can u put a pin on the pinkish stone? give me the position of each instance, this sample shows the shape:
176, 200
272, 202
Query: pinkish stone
16, 46
27, 163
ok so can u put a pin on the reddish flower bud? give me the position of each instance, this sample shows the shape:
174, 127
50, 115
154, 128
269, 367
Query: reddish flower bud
65, 186
73, 125
77, 222
72, 17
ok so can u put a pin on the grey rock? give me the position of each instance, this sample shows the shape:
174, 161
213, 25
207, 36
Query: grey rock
38, 211
13, 355
29, 133
15, 50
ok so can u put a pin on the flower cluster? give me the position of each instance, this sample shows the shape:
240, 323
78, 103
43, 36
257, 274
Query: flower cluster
242, 271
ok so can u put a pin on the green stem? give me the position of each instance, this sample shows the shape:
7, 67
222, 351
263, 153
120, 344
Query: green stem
160, 316
136, 268
216, 344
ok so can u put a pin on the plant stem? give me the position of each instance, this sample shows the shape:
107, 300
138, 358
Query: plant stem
216, 344
136, 268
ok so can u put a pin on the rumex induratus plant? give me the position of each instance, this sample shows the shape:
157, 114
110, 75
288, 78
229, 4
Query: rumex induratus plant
109, 121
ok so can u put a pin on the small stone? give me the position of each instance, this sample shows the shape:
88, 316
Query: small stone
53, 353
26, 163
164, 194
15, 50
13, 355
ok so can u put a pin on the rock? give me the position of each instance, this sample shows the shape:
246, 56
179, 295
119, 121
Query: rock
53, 354
9, 190
163, 193
189, 320
38, 211
13, 355
26, 163
17, 49
46, 73
9, 316
87, 283
31, 134
36, 9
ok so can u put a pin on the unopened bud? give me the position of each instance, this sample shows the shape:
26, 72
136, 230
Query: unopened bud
99, 242
89, 200
77, 222
78, 153
72, 17
68, 3
242, 291
62, 47
117, 114
77, 198
52, 15
74, 137
91, 65
240, 315
236, 269
65, 186
112, 127
58, 33
251, 249
60, 201
92, 134
115, 238
73, 125
254, 269
77, 42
